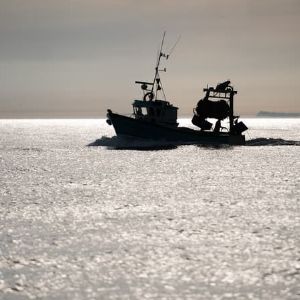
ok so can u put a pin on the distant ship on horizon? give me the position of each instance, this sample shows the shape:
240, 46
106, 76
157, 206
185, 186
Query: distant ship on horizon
270, 114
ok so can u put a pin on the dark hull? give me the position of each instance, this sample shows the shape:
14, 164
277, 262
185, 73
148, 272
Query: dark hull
126, 126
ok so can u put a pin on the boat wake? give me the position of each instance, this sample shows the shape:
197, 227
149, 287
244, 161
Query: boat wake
131, 143
271, 142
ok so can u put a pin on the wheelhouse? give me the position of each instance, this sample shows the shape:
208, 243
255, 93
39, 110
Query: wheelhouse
158, 111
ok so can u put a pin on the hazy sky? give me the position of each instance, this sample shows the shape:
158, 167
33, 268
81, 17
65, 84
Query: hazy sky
80, 57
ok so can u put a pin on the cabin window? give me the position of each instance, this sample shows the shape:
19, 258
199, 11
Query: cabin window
138, 111
144, 111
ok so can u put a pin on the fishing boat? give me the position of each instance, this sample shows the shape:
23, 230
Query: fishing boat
155, 118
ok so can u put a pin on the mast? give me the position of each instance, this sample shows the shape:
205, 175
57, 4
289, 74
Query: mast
156, 81
156, 84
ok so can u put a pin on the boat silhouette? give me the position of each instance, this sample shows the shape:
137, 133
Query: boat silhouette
156, 119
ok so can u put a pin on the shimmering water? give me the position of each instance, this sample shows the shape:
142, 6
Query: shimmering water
182, 222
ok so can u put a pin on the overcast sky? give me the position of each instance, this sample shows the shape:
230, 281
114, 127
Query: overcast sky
80, 57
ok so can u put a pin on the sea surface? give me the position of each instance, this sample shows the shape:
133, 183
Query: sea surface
84, 215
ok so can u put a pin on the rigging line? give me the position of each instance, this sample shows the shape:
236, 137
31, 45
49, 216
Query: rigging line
163, 91
172, 49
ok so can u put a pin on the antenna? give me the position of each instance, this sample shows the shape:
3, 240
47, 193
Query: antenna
162, 42
160, 52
